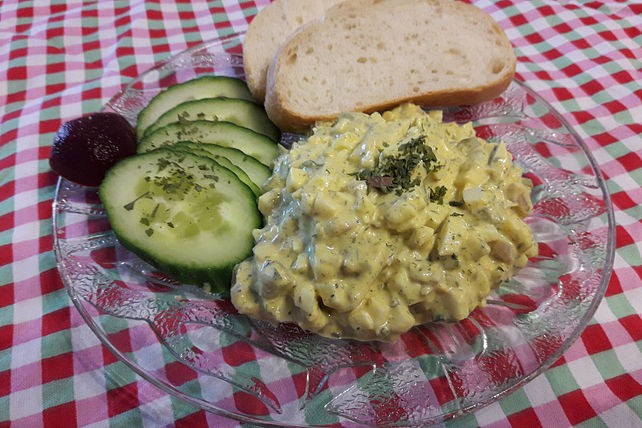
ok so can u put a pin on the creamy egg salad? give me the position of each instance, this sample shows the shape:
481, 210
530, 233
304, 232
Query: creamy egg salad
376, 223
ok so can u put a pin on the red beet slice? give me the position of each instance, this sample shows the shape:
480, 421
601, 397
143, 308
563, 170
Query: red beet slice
85, 148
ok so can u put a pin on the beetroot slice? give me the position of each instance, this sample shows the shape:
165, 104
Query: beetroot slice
85, 148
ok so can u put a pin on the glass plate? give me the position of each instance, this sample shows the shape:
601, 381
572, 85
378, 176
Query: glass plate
196, 347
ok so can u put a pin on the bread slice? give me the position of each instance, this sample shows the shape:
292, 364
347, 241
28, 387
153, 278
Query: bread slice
269, 29
431, 52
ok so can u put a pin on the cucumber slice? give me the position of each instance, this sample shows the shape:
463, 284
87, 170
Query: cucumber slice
195, 89
241, 112
184, 214
257, 172
224, 134
223, 161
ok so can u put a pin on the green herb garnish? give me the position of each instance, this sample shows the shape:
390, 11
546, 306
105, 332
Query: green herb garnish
394, 172
130, 206
437, 194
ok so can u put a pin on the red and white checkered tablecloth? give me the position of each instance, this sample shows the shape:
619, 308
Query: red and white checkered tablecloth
62, 59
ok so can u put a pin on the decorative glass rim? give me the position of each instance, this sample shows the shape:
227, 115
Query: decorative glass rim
606, 268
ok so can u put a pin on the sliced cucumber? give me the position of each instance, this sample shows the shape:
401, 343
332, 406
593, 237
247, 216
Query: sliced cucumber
224, 134
257, 172
241, 112
195, 89
224, 162
187, 215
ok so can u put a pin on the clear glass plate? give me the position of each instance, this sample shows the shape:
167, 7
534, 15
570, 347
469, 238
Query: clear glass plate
196, 347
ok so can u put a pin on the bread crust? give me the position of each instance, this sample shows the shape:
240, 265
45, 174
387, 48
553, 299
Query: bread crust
291, 121
288, 119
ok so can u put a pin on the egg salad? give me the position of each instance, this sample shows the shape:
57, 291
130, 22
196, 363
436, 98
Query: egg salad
377, 223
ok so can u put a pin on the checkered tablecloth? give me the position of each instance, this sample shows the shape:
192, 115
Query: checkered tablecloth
60, 59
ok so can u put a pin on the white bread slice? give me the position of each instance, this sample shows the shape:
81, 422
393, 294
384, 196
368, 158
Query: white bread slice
431, 52
269, 29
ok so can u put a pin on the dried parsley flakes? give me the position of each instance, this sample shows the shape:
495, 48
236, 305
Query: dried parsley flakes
394, 172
